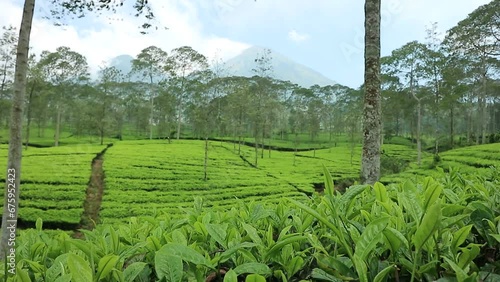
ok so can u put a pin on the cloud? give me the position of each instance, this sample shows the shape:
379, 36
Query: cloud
100, 39
297, 37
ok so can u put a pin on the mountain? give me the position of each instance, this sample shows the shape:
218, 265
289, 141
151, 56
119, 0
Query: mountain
283, 68
122, 63
242, 65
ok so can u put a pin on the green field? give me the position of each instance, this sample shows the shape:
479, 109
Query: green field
147, 177
247, 211
53, 181
476, 160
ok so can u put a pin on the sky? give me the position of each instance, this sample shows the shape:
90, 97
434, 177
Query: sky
325, 35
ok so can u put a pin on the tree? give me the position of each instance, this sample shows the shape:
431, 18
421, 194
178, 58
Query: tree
408, 64
8, 42
152, 64
107, 97
370, 162
238, 101
36, 80
15, 142
10, 209
477, 37
263, 97
434, 62
203, 86
64, 68
183, 61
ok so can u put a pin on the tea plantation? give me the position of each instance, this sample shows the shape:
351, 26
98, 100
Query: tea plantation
160, 220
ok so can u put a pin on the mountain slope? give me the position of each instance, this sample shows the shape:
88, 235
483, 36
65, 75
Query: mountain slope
283, 68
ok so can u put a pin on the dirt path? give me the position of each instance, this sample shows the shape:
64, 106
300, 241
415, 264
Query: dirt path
93, 199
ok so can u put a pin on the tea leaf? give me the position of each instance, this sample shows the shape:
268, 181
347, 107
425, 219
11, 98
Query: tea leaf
134, 269
370, 237
432, 192
168, 266
187, 254
105, 265
255, 278
329, 187
252, 267
322, 275
384, 272
428, 226
218, 232
79, 269
460, 236
230, 276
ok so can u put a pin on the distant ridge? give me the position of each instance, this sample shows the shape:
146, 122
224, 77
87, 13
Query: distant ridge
283, 68
242, 65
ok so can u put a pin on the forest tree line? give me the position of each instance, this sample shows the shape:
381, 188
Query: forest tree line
446, 90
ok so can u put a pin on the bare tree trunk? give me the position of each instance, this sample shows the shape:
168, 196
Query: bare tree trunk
30, 100
419, 124
256, 150
58, 126
239, 145
151, 118
205, 164
11, 204
484, 118
370, 163
179, 114
262, 143
452, 141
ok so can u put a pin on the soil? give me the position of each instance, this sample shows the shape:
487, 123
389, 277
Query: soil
93, 199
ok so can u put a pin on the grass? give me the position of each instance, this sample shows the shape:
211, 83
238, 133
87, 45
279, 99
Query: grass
472, 160
144, 177
53, 181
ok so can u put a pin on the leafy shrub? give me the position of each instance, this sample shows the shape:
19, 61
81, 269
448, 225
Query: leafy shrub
392, 164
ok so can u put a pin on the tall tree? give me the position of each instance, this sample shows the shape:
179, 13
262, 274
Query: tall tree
262, 96
107, 96
408, 64
370, 162
151, 63
35, 82
183, 61
477, 37
434, 63
10, 209
8, 41
64, 68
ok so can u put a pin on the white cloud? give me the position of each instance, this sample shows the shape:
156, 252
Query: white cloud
297, 37
104, 41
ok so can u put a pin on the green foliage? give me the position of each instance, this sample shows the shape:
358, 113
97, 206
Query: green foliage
429, 231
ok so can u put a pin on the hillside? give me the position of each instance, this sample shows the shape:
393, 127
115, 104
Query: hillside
284, 68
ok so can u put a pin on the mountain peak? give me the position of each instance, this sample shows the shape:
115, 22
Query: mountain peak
283, 68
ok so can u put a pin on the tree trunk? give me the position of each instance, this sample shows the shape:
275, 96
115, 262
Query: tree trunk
58, 126
262, 143
256, 150
419, 123
29, 115
179, 114
484, 119
370, 163
452, 138
239, 145
205, 164
151, 119
11, 204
